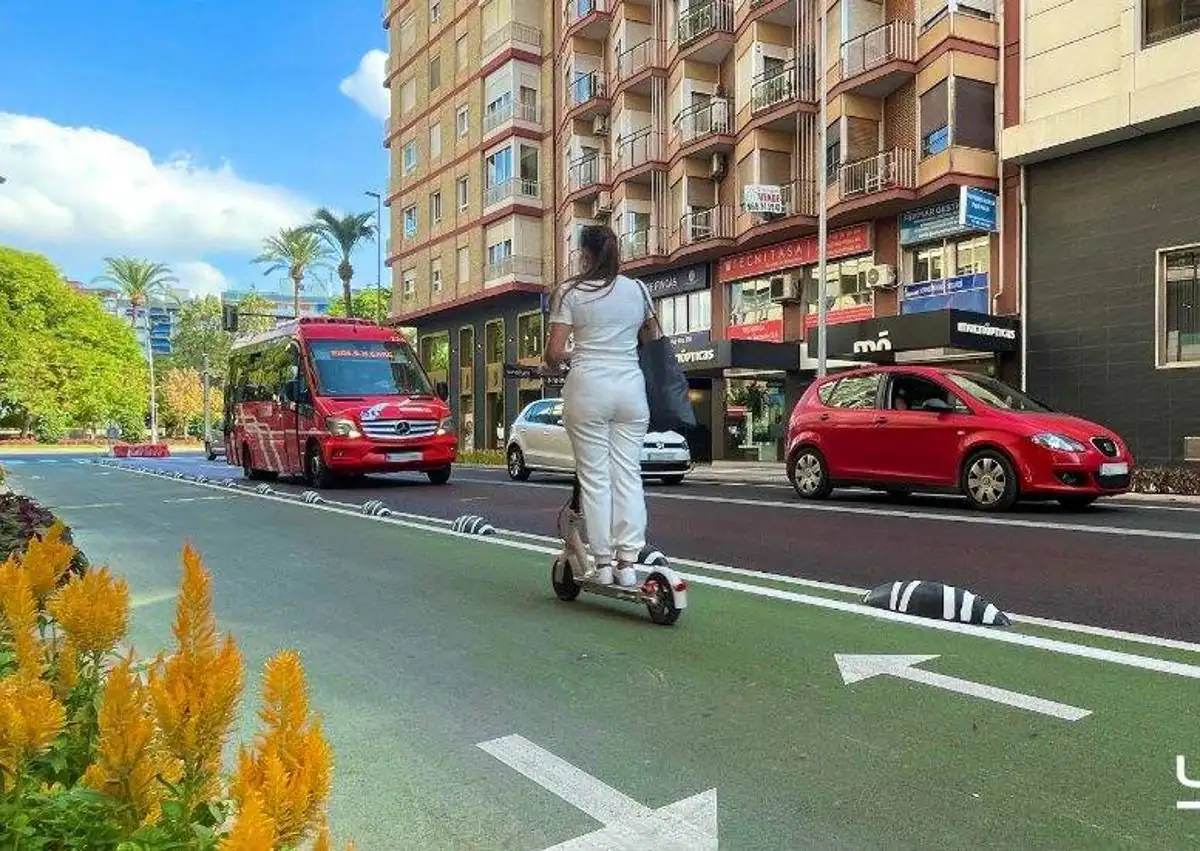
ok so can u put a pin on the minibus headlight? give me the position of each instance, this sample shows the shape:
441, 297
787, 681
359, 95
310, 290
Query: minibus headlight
446, 426
342, 427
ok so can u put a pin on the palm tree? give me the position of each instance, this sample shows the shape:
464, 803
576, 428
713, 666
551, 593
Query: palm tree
141, 281
342, 236
295, 251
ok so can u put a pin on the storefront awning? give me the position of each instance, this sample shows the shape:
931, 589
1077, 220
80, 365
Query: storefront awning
878, 339
710, 359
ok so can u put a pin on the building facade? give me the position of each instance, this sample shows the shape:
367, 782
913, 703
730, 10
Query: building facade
157, 322
1102, 135
692, 130
282, 304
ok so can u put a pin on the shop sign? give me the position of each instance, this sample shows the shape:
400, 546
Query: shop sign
961, 329
762, 198
977, 209
689, 340
795, 253
974, 210
525, 372
965, 292
769, 331
676, 281
841, 317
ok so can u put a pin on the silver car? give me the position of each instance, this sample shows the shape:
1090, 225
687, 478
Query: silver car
537, 441
214, 444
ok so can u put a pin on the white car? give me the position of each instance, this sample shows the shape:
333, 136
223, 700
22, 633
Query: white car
214, 444
537, 440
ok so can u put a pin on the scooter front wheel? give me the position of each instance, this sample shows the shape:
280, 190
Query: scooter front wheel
661, 604
563, 580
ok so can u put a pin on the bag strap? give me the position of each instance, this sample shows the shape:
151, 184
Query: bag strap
651, 325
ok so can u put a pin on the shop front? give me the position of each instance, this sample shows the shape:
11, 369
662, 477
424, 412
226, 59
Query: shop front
947, 254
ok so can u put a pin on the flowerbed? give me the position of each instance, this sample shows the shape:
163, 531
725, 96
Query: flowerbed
101, 752
482, 457
1182, 480
22, 519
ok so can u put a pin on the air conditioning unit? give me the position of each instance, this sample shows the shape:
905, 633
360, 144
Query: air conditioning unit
784, 288
881, 277
716, 167
602, 206
600, 125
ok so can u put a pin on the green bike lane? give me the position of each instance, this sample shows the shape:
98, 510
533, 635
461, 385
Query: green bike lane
420, 647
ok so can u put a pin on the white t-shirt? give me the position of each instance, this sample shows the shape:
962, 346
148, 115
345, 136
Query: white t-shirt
605, 324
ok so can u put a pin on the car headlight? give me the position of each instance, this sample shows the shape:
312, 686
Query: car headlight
1058, 443
342, 427
446, 426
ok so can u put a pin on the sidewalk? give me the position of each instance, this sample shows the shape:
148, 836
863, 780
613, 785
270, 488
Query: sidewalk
754, 472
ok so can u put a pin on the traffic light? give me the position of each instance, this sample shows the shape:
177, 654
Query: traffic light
229, 317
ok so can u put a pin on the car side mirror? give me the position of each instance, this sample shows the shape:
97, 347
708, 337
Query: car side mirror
936, 405
442, 389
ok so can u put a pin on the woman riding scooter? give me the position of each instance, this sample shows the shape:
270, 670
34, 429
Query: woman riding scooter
605, 410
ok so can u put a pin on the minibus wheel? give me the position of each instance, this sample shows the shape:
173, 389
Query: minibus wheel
439, 476
315, 471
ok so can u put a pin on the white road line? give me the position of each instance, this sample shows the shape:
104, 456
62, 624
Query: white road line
1147, 663
973, 520
86, 505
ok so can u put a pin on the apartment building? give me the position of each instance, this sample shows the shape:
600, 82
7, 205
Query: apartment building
691, 128
158, 321
1102, 132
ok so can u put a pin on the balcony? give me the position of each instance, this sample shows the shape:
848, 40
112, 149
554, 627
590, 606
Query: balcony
643, 56
700, 22
513, 266
587, 18
640, 148
510, 110
515, 190
586, 95
780, 86
798, 198
643, 244
704, 120
513, 35
879, 61
883, 172
587, 174
704, 225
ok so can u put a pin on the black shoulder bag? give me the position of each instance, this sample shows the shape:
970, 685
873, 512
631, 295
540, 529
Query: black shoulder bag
666, 385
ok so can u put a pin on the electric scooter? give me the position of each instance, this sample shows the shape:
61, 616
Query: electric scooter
662, 591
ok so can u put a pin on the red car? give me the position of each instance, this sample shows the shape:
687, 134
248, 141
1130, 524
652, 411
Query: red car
912, 428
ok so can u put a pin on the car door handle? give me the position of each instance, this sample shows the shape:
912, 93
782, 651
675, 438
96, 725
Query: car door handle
824, 417
880, 420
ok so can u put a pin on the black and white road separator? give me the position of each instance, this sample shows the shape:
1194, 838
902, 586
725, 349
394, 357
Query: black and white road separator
936, 600
263, 489
312, 497
473, 524
376, 508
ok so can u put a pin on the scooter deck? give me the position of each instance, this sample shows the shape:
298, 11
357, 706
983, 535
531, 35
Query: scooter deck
617, 592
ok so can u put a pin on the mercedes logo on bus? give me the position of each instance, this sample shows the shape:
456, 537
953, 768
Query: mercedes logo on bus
401, 427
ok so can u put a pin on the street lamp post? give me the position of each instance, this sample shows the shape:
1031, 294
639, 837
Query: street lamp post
379, 254
822, 212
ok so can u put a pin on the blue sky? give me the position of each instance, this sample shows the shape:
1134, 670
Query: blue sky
217, 123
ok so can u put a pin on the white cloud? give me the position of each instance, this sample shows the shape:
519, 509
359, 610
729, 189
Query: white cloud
365, 86
199, 278
80, 187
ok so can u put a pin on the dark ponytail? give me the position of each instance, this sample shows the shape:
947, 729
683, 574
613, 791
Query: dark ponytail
600, 243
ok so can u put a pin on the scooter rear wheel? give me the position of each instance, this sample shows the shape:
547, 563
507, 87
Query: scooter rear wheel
565, 586
661, 606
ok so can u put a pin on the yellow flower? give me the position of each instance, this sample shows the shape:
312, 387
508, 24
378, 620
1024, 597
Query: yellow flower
195, 691
30, 718
291, 763
46, 559
19, 608
129, 757
93, 610
253, 829
68, 669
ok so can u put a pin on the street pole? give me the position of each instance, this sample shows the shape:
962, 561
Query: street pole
378, 255
207, 420
822, 212
153, 393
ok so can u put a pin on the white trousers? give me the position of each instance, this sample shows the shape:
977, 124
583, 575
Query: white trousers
606, 416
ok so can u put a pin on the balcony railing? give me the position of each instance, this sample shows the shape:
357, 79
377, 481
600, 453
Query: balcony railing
895, 40
640, 147
585, 87
577, 10
514, 33
507, 111
517, 188
799, 198
588, 170
640, 244
513, 264
703, 119
645, 54
701, 225
772, 88
894, 169
700, 21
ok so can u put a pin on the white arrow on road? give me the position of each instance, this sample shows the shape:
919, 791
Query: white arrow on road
855, 668
687, 825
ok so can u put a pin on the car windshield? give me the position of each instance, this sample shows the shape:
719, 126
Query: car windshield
996, 394
368, 368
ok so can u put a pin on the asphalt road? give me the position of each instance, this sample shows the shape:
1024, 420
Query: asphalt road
421, 648
1128, 566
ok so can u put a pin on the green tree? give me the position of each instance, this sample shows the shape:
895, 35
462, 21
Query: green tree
295, 251
256, 314
198, 333
183, 399
342, 236
64, 361
364, 304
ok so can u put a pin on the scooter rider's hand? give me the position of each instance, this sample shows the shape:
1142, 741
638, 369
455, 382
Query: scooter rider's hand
547, 371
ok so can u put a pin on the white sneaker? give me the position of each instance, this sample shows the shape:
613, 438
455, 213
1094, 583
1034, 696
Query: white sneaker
626, 576
602, 575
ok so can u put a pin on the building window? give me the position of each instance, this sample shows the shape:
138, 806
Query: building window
935, 119
497, 253
1179, 307
974, 114
1167, 19
529, 336
410, 222
463, 196
410, 156
435, 72
460, 53
750, 302
408, 96
845, 284
408, 33
408, 282
462, 119
435, 207
973, 256
435, 11
435, 140
929, 264
833, 152
435, 275
463, 261
685, 313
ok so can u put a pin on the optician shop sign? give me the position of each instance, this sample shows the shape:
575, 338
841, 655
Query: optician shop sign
974, 210
795, 252
686, 280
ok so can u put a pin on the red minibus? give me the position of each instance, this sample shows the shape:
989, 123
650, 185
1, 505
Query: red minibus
327, 398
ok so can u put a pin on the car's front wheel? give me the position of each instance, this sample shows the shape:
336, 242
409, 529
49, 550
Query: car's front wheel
517, 471
989, 481
809, 474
